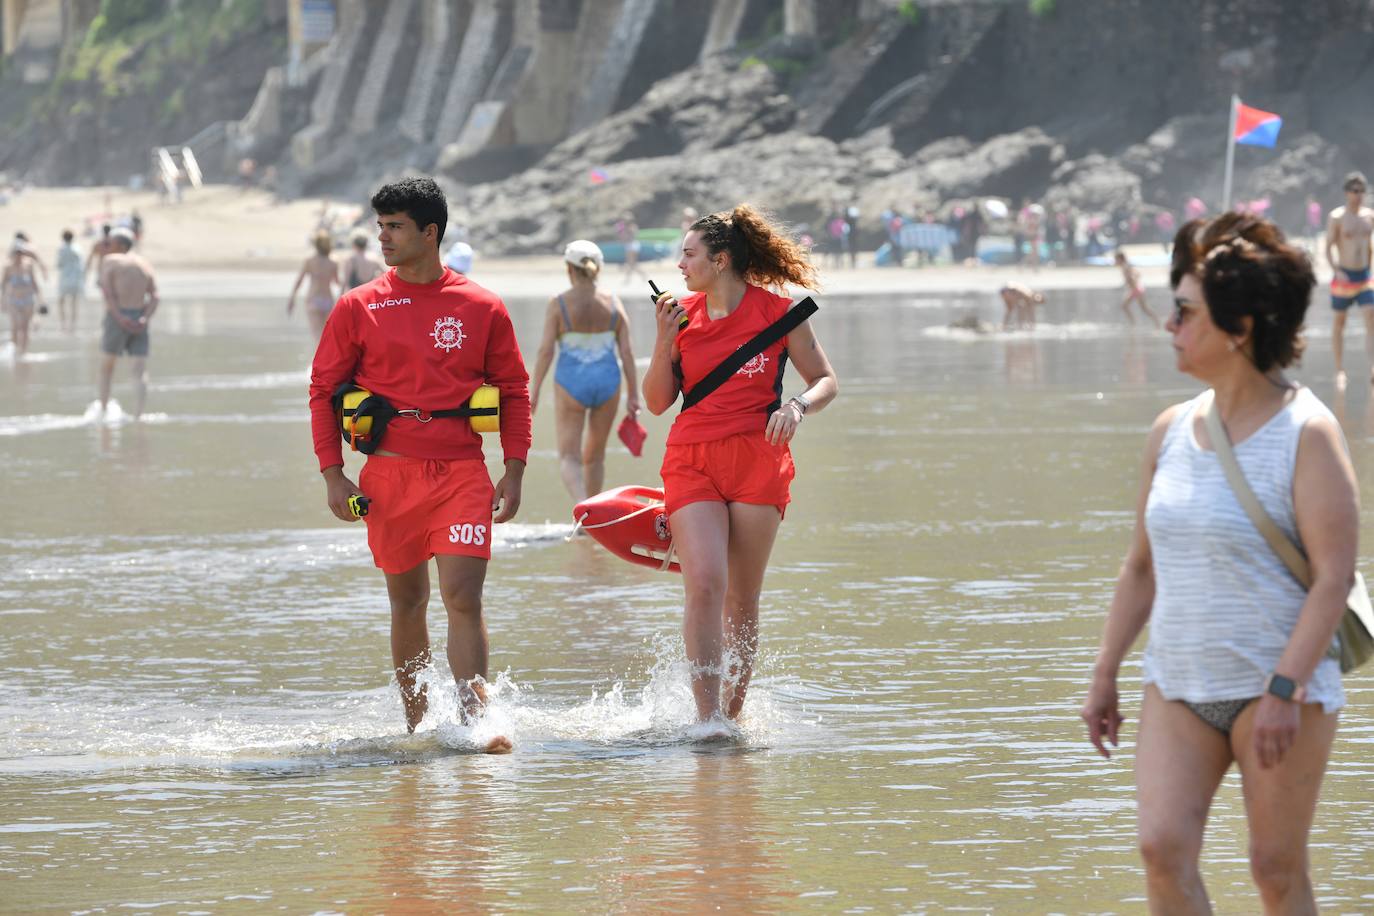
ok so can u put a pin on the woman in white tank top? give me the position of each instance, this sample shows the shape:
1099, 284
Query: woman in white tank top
1236, 667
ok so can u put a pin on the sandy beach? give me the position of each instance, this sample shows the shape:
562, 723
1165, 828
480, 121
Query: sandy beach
222, 229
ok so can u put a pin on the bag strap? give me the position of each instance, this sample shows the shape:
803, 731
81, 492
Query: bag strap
1279, 542
751, 348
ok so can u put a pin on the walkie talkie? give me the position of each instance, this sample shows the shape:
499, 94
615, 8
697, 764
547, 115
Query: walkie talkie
683, 321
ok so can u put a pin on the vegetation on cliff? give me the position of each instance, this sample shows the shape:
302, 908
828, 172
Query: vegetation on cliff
143, 73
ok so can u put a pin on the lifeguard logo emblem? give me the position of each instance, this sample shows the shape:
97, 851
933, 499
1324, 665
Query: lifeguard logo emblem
448, 333
753, 367
661, 526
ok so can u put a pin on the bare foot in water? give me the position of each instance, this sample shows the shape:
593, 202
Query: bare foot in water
473, 697
715, 729
498, 745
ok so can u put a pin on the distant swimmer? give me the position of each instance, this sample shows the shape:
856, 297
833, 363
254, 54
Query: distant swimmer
627, 231
71, 281
1020, 302
21, 296
102, 246
425, 338
1348, 249
590, 328
130, 291
323, 272
360, 267
1135, 289
727, 469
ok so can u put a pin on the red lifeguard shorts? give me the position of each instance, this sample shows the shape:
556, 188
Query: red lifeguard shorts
743, 468
423, 507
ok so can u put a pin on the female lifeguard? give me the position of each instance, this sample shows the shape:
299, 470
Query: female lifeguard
727, 466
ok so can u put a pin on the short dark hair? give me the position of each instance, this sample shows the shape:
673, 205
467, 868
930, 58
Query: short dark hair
1247, 268
67, 235
418, 198
1355, 178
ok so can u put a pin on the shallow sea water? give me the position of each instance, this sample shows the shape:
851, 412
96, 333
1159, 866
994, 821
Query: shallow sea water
196, 712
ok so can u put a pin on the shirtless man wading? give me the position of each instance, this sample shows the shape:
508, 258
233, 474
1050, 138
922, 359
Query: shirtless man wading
1348, 241
126, 280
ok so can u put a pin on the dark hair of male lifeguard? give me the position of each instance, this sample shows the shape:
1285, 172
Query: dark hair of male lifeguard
418, 198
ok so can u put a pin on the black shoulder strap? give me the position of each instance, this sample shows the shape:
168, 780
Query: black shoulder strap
748, 350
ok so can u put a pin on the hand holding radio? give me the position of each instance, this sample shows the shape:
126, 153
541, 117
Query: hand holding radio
666, 303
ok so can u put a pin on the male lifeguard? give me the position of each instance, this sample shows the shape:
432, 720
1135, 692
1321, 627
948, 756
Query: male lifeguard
1348, 250
424, 337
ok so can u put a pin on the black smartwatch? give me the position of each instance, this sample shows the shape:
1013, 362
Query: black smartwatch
1285, 688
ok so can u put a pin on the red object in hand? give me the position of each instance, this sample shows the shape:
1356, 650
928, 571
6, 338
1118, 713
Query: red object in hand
633, 435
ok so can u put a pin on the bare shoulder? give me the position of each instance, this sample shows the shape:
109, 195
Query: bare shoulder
1159, 429
1321, 434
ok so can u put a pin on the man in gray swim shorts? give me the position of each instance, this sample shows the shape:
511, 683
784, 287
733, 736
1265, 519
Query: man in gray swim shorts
126, 280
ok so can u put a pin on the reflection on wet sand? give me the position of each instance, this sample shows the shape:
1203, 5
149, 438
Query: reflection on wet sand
438, 849
1024, 365
704, 846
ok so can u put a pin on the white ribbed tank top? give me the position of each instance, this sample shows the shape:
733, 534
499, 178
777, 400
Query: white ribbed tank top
1225, 605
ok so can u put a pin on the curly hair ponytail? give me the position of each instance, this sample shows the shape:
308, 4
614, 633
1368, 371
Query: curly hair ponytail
760, 251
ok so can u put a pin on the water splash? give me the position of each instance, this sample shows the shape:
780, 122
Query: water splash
290, 730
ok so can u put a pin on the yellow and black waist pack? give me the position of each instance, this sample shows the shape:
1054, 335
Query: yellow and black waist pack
363, 416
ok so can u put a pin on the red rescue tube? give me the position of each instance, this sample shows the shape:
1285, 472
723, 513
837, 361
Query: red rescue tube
632, 523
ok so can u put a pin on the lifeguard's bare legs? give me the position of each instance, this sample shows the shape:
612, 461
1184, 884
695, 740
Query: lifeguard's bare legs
724, 553
460, 585
753, 530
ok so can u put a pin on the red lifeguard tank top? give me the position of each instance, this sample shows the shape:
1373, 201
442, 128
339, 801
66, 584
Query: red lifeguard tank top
746, 400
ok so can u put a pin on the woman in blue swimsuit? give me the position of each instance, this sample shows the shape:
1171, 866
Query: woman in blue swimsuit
589, 327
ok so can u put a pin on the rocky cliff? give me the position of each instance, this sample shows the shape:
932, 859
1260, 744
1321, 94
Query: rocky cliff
1100, 106
550, 118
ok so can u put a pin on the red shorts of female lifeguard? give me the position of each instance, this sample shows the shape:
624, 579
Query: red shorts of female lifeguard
743, 468
423, 507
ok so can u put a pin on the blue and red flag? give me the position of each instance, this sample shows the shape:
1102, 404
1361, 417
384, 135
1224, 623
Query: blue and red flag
1256, 128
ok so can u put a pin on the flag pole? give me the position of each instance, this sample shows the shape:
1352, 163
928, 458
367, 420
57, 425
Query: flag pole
1230, 153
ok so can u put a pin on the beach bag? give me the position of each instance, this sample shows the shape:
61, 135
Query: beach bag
1354, 642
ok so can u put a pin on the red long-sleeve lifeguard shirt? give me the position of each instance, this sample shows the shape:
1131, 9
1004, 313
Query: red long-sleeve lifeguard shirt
421, 346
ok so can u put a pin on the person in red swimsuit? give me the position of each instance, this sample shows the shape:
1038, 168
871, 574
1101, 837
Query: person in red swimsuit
727, 468
425, 337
